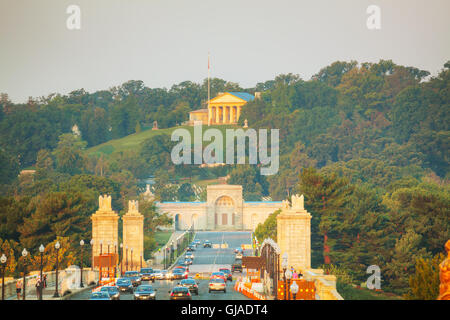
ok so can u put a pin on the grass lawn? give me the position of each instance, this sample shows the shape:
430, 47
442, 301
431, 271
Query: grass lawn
352, 293
161, 238
134, 140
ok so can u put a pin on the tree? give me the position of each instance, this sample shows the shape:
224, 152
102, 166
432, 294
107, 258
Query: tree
424, 283
69, 154
268, 229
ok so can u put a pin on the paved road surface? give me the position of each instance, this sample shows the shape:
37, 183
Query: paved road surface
206, 260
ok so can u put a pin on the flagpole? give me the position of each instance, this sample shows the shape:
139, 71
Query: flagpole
209, 116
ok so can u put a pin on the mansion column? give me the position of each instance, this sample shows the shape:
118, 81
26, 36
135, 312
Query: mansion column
224, 111
133, 234
238, 113
216, 120
232, 114
209, 115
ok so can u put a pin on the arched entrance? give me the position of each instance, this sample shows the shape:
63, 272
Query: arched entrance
224, 212
176, 222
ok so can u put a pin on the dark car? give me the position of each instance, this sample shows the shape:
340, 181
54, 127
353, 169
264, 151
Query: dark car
147, 274
207, 244
178, 274
236, 266
134, 277
113, 292
188, 261
100, 295
180, 293
124, 285
197, 242
190, 284
145, 292
190, 248
228, 273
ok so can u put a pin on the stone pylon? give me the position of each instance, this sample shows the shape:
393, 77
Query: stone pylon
104, 227
294, 233
133, 236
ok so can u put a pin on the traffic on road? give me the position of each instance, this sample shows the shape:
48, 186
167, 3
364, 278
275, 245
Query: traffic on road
207, 270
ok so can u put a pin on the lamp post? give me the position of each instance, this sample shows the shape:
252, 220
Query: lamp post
288, 275
101, 247
92, 249
57, 246
24, 255
294, 288
126, 261
3, 262
141, 260
284, 265
109, 258
164, 255
131, 259
41, 286
116, 262
121, 260
81, 274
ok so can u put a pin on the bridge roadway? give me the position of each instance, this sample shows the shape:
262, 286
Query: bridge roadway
206, 260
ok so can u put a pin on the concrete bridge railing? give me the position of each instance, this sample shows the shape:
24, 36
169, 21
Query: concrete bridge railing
325, 285
68, 280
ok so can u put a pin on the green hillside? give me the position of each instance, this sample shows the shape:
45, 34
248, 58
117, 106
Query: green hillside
133, 141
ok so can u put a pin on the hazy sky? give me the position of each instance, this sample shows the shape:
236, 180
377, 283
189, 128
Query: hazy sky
164, 42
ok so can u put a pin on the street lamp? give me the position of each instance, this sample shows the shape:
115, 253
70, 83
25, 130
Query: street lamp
81, 274
3, 262
57, 246
284, 265
92, 249
109, 257
294, 288
116, 262
126, 261
288, 275
141, 260
101, 247
121, 260
24, 255
131, 259
41, 286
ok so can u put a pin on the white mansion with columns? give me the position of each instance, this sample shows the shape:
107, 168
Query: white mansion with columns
224, 209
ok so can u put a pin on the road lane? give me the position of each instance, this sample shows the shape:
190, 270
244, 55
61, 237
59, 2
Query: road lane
206, 260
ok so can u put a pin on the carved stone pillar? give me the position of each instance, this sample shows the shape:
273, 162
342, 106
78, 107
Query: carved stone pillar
133, 233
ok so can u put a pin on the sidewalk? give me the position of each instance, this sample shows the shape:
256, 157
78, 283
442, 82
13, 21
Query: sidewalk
48, 293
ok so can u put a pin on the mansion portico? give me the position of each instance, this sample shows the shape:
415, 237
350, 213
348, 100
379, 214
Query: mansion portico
224, 109
224, 209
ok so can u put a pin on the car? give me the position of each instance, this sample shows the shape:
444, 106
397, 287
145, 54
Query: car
178, 274
190, 284
238, 250
157, 274
180, 293
145, 292
189, 255
190, 248
219, 275
197, 242
238, 256
113, 292
147, 274
165, 274
124, 285
187, 261
99, 295
134, 277
207, 244
227, 273
237, 266
217, 284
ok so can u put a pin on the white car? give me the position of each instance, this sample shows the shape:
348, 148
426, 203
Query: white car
239, 255
189, 255
158, 274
